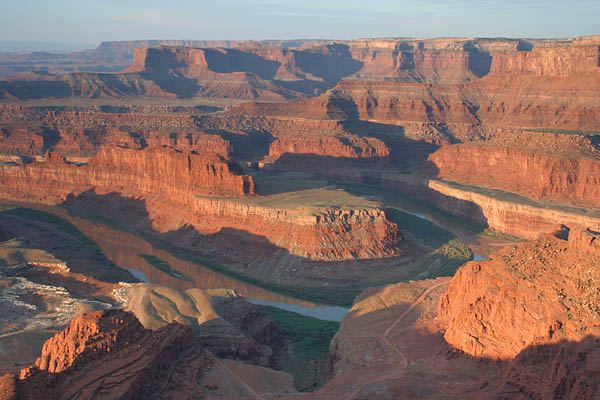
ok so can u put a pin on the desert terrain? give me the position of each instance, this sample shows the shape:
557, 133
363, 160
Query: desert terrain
320, 219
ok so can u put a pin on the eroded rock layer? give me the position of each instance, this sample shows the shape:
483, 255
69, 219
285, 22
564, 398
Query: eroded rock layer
529, 294
110, 355
179, 189
147, 172
531, 171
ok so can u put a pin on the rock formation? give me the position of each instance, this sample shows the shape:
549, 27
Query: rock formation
102, 347
177, 183
109, 354
522, 325
131, 172
529, 294
564, 175
221, 321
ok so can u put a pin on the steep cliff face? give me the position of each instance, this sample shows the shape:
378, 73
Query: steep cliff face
132, 172
553, 86
531, 312
325, 234
559, 61
502, 211
352, 147
529, 294
415, 65
88, 337
534, 173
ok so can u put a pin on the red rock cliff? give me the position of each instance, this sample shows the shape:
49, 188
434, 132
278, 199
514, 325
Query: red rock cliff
534, 293
178, 190
149, 172
532, 172
560, 61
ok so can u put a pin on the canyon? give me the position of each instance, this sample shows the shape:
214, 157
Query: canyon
431, 338
169, 180
445, 190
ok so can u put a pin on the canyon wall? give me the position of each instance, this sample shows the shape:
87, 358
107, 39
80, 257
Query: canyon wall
501, 211
132, 172
329, 147
286, 70
553, 86
178, 190
77, 134
528, 171
561, 61
325, 234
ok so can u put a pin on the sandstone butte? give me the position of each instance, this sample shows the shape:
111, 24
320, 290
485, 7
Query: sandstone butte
181, 189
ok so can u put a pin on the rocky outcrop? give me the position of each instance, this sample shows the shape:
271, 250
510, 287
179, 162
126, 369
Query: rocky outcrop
329, 147
534, 305
523, 325
325, 234
221, 321
109, 353
534, 173
132, 172
89, 337
534, 293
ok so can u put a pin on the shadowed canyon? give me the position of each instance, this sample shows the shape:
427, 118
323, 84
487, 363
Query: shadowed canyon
308, 219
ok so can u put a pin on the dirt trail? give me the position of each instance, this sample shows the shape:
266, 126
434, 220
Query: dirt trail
384, 338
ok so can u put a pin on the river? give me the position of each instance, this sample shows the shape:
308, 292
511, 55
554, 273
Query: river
125, 250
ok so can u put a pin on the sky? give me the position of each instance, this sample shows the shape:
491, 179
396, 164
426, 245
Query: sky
89, 22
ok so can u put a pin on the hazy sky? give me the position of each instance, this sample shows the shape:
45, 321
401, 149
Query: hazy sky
93, 21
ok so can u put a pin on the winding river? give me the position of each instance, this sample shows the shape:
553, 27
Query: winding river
125, 250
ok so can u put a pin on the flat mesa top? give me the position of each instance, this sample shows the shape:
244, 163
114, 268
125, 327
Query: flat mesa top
296, 191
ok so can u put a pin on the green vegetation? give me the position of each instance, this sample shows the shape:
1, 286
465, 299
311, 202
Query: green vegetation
307, 345
164, 267
342, 297
489, 232
427, 231
396, 198
6, 207
450, 253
